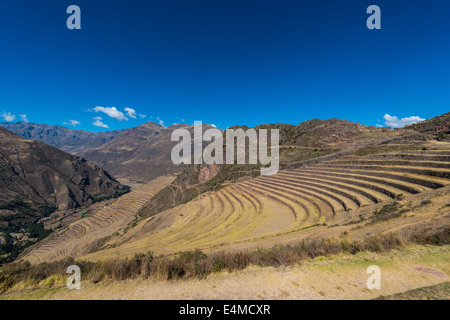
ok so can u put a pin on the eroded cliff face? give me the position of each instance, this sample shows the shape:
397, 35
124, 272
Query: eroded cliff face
208, 172
33, 171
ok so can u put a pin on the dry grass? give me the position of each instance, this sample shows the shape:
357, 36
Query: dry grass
196, 264
341, 276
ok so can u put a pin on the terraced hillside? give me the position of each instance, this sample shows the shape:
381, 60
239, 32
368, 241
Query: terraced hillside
89, 234
283, 206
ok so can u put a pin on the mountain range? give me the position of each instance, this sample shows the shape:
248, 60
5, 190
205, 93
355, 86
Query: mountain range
69, 140
140, 153
143, 153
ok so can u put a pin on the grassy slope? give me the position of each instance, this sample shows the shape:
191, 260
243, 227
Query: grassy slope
91, 233
334, 277
437, 292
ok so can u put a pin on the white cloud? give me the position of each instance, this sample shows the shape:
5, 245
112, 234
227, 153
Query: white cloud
182, 120
24, 118
142, 116
131, 113
73, 123
112, 112
99, 123
395, 122
379, 126
7, 116
161, 123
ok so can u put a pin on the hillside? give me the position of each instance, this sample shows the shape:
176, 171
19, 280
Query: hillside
317, 187
333, 133
141, 153
33, 171
335, 277
308, 143
438, 126
347, 188
69, 140
317, 133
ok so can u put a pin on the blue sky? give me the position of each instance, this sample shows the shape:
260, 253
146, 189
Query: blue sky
223, 62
